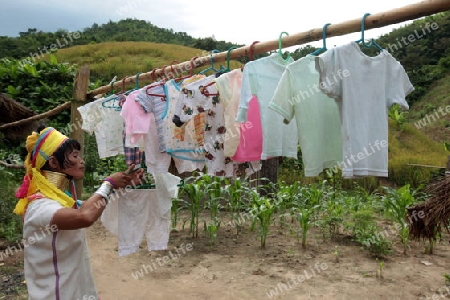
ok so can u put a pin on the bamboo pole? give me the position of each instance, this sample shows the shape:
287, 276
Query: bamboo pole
394, 16
80, 96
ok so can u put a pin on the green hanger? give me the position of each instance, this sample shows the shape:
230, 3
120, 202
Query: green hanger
361, 40
212, 63
280, 44
227, 69
324, 38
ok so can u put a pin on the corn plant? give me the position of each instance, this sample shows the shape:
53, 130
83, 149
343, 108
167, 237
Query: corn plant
304, 219
262, 211
396, 203
195, 192
237, 192
214, 191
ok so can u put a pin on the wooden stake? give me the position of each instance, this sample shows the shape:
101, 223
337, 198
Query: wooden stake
80, 89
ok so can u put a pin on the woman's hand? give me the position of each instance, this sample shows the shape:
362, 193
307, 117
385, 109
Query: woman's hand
123, 179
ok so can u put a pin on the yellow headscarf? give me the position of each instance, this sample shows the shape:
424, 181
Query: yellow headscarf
40, 147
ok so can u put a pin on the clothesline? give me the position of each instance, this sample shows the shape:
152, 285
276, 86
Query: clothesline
394, 16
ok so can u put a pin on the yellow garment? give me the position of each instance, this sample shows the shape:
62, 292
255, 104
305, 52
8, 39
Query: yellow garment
40, 147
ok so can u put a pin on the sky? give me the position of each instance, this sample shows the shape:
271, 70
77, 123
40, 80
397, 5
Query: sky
236, 21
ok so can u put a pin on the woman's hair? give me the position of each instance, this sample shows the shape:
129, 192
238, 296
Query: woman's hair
62, 153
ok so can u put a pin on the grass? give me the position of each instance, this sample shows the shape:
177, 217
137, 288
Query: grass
437, 97
122, 59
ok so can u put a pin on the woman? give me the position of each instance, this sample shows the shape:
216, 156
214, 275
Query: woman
56, 255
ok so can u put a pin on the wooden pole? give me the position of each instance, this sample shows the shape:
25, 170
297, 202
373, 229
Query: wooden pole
80, 89
394, 16
49, 113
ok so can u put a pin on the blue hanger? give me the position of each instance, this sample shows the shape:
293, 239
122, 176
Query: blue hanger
227, 69
113, 101
279, 46
324, 38
212, 63
361, 40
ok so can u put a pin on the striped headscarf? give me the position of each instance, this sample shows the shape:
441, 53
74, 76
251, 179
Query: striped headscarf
40, 147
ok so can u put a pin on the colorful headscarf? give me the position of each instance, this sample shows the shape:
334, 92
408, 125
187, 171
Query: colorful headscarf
40, 147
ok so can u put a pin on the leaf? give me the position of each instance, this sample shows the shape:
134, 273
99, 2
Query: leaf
53, 59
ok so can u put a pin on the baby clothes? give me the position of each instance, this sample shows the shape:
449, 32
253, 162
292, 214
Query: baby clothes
105, 123
364, 88
317, 116
261, 78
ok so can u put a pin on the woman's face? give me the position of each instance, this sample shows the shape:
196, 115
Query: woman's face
76, 167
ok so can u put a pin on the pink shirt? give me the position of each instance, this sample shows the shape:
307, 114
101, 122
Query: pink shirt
250, 141
137, 121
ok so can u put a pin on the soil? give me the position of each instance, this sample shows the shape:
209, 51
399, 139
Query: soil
237, 268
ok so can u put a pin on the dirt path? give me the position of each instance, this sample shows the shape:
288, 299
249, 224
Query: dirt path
236, 268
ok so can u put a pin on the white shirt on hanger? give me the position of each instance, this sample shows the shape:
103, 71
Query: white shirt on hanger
364, 88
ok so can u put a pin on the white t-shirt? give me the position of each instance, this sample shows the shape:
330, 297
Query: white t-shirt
229, 87
57, 262
260, 78
364, 88
319, 127
106, 123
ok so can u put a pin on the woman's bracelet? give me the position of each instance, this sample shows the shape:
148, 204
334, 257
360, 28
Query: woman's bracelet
105, 190
108, 179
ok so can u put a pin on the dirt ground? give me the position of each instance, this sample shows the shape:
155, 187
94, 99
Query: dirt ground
236, 268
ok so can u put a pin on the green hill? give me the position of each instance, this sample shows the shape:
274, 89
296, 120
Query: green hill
431, 114
122, 59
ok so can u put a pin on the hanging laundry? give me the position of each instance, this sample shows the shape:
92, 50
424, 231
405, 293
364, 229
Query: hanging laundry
153, 100
250, 138
143, 212
136, 124
156, 161
229, 87
260, 78
105, 122
317, 116
364, 88
136, 119
202, 97
189, 154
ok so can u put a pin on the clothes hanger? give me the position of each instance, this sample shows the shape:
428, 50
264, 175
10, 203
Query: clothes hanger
227, 69
250, 52
155, 84
137, 84
153, 186
212, 63
324, 38
361, 40
204, 90
191, 71
113, 102
279, 46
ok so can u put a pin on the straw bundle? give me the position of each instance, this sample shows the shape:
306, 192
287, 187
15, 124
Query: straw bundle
434, 214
